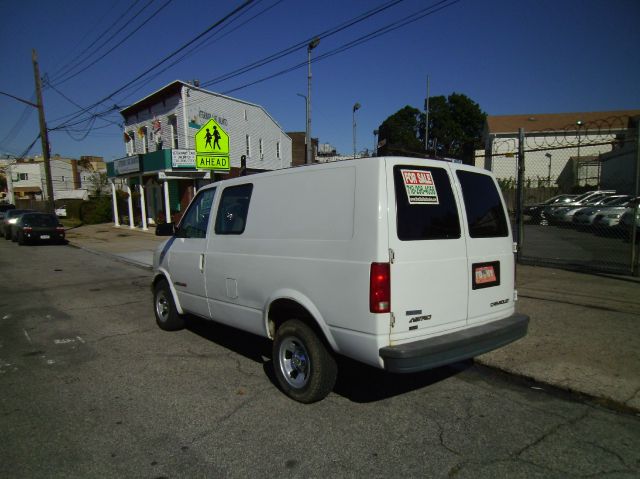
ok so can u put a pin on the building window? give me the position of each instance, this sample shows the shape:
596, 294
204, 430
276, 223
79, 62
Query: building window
260, 149
173, 124
245, 115
131, 144
23, 176
278, 149
145, 139
248, 141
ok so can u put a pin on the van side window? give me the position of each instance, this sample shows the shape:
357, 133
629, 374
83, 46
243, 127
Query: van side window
195, 220
485, 213
425, 206
233, 210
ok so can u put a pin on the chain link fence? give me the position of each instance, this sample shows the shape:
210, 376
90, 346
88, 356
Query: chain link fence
572, 193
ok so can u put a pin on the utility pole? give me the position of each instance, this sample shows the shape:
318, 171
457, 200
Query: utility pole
44, 137
426, 121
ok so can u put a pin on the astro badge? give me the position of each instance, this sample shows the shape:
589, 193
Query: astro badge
420, 187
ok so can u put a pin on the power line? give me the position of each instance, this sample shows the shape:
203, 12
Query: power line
343, 26
145, 22
204, 43
363, 39
303, 43
165, 59
67, 68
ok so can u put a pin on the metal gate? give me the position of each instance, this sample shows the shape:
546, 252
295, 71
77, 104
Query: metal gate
573, 193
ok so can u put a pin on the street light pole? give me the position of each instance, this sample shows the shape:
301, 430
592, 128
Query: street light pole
306, 135
356, 106
548, 155
375, 142
579, 124
312, 44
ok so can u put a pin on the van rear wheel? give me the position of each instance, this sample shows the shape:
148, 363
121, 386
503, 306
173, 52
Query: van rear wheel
167, 316
305, 369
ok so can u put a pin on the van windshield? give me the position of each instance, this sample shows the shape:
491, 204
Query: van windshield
425, 206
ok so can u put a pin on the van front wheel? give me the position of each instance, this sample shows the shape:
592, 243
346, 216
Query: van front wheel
167, 316
305, 369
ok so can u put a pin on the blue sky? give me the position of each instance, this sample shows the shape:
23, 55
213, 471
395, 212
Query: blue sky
510, 56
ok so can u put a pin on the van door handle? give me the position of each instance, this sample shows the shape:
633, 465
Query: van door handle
202, 263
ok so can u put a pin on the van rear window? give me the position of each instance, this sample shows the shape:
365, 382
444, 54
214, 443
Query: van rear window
485, 213
425, 206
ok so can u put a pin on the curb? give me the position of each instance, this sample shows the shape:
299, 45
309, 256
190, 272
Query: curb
120, 259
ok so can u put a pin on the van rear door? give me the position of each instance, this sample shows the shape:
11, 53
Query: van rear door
489, 246
429, 270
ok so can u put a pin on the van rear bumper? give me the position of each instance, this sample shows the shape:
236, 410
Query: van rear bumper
450, 348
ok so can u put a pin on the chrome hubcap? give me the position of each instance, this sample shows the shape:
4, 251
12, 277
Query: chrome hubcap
162, 306
293, 360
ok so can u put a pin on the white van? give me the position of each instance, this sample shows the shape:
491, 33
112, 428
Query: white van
404, 264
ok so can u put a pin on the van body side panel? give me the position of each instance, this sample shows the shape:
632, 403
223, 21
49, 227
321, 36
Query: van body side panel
320, 243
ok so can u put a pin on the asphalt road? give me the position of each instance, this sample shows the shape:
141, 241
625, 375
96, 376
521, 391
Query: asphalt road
577, 247
90, 387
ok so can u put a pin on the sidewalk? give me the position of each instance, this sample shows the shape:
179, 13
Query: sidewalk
584, 334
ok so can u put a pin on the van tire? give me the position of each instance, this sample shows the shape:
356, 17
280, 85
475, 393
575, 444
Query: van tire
305, 369
167, 316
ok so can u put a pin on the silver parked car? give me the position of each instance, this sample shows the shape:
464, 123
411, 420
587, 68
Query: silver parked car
608, 219
553, 213
586, 216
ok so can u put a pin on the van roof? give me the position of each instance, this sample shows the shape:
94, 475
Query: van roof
344, 163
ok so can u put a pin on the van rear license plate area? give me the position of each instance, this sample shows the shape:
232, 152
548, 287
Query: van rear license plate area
486, 275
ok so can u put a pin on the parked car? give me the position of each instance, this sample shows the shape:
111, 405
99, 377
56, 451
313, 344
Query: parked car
4, 207
585, 217
10, 218
404, 264
608, 219
533, 213
627, 222
37, 228
553, 213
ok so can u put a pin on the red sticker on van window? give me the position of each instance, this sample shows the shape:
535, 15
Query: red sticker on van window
485, 274
420, 187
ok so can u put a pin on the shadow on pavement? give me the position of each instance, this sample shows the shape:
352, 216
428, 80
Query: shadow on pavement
356, 382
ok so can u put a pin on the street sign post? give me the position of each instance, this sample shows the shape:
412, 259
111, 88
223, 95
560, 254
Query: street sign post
212, 148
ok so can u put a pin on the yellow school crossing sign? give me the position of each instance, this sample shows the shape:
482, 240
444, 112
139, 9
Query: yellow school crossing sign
212, 147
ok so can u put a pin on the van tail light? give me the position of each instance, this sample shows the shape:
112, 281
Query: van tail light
380, 288
27, 229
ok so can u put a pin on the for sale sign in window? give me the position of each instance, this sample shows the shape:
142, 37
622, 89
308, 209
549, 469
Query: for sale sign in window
421, 190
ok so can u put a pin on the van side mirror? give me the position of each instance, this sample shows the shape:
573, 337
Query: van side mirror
165, 229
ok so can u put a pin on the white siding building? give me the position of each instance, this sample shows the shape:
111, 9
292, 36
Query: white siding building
159, 145
554, 144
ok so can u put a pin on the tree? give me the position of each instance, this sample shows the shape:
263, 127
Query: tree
455, 126
455, 129
98, 182
400, 133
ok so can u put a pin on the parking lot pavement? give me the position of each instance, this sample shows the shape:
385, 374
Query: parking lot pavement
584, 334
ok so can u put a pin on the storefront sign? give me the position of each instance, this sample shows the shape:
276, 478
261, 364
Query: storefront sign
196, 121
183, 158
130, 164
